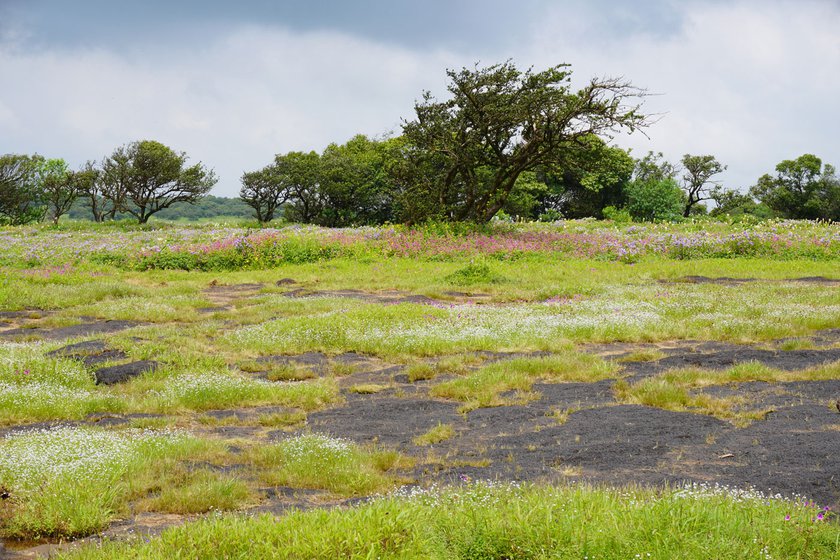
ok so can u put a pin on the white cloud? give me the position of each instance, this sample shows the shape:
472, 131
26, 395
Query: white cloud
752, 83
232, 103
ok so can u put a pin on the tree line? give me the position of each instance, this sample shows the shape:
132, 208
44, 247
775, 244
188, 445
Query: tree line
505, 142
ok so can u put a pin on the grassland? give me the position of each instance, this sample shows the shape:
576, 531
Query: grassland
182, 371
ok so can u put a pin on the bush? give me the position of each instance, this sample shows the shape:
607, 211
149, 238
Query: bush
655, 201
619, 215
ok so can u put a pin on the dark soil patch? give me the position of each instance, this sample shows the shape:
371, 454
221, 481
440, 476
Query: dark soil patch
718, 280
794, 451
212, 309
91, 352
387, 420
725, 280
816, 280
727, 356
124, 372
79, 349
320, 362
73, 331
612, 443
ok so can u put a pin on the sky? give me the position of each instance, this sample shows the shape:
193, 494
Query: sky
234, 83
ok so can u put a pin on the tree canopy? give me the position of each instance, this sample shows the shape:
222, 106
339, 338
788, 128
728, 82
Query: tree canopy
801, 189
500, 122
21, 200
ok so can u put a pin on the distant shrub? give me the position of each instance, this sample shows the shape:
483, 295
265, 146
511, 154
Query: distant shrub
474, 273
655, 201
550, 215
618, 215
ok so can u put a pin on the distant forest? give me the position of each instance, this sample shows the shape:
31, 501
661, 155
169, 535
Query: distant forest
208, 207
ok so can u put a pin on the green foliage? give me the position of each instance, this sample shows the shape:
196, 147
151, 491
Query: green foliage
655, 200
353, 183
150, 176
264, 191
802, 189
320, 461
474, 273
302, 175
484, 521
697, 177
618, 215
464, 155
596, 177
21, 200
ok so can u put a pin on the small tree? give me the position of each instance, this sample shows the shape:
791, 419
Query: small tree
353, 183
697, 179
802, 189
654, 194
302, 174
59, 186
501, 122
20, 197
149, 177
655, 201
264, 191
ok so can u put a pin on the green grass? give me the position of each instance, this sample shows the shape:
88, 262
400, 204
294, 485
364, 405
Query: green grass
199, 492
71, 482
537, 301
206, 390
35, 388
642, 356
439, 433
528, 522
509, 381
332, 464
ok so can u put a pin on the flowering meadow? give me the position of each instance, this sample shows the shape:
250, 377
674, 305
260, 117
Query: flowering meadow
576, 389
232, 248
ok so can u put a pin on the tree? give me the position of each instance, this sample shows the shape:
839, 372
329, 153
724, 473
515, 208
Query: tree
654, 194
149, 177
501, 122
696, 179
803, 189
655, 200
654, 167
20, 197
264, 191
353, 183
59, 186
302, 174
596, 178
733, 203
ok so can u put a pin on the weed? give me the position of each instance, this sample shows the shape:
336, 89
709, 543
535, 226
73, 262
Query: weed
439, 433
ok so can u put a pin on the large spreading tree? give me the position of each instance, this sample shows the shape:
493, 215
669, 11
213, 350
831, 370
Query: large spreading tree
802, 189
499, 123
149, 176
20, 196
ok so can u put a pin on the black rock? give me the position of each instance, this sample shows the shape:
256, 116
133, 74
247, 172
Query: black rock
124, 372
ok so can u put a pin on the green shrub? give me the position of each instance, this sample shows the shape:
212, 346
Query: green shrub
655, 201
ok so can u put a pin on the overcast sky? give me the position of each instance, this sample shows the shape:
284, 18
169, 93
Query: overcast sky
233, 83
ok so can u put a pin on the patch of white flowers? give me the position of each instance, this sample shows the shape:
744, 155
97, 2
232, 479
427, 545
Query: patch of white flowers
702, 490
24, 363
29, 460
37, 394
192, 386
320, 447
461, 324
